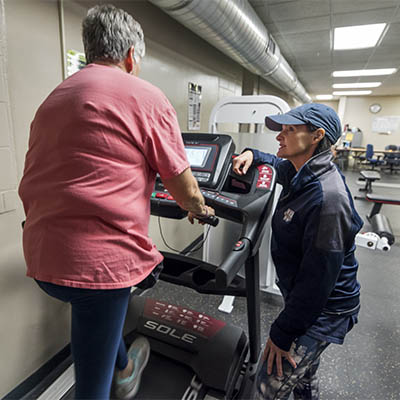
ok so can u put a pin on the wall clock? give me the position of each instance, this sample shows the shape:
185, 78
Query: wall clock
375, 108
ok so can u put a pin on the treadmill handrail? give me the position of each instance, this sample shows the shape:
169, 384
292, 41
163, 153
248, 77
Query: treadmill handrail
229, 268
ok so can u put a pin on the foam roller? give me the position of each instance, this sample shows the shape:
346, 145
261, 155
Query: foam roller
381, 226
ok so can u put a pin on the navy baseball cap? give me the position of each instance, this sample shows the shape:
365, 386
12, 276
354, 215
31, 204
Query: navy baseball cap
315, 114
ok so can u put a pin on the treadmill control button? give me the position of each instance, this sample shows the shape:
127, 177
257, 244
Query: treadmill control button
264, 169
209, 194
263, 184
264, 177
162, 195
226, 200
198, 328
173, 316
203, 174
238, 245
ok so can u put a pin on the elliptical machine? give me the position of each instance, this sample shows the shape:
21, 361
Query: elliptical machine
193, 355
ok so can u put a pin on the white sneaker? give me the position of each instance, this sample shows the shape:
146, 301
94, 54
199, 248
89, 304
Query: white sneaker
139, 353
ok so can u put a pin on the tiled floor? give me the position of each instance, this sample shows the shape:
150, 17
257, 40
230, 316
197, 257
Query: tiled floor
367, 366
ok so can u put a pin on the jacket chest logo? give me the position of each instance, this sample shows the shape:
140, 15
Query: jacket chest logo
288, 215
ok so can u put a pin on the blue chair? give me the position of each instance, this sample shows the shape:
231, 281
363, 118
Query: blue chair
369, 156
392, 160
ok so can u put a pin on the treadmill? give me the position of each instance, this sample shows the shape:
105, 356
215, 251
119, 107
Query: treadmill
193, 355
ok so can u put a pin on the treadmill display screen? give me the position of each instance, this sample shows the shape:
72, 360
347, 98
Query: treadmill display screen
197, 155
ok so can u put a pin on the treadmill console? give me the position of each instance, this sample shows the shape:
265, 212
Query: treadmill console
232, 196
207, 155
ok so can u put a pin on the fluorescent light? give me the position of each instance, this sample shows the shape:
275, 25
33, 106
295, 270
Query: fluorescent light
357, 37
356, 85
352, 93
324, 97
364, 72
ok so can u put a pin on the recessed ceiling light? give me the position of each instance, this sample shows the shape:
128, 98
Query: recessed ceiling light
364, 72
352, 93
324, 97
357, 37
356, 85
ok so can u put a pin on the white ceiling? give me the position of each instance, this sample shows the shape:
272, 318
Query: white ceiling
303, 30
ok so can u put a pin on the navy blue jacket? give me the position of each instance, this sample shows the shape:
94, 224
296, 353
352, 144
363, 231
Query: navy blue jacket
313, 231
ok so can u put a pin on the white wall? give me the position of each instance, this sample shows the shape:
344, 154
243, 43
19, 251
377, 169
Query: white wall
357, 114
33, 326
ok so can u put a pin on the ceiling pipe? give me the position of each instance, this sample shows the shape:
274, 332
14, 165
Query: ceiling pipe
233, 27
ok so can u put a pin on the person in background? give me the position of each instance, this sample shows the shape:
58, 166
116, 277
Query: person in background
95, 146
313, 243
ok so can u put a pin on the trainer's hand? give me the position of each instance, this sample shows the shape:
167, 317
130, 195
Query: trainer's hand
206, 212
242, 162
274, 354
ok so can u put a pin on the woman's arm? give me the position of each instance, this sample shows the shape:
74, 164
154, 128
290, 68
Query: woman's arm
249, 157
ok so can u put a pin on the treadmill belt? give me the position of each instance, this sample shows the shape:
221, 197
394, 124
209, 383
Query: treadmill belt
164, 379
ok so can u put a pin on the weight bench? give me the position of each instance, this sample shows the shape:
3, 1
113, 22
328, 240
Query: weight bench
368, 177
378, 201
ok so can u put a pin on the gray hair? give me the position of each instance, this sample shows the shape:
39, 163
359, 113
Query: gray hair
109, 32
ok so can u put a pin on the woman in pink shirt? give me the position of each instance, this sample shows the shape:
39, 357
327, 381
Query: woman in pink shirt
95, 147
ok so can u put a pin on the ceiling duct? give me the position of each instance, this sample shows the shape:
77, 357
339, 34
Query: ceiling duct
233, 27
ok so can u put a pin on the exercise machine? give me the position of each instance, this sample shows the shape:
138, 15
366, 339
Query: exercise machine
368, 177
245, 112
193, 355
381, 237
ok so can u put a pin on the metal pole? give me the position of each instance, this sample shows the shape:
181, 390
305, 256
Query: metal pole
252, 269
62, 38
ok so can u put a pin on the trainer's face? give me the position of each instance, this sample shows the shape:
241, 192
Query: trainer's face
296, 144
294, 140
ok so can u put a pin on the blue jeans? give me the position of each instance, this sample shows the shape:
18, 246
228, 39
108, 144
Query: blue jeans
302, 380
96, 336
